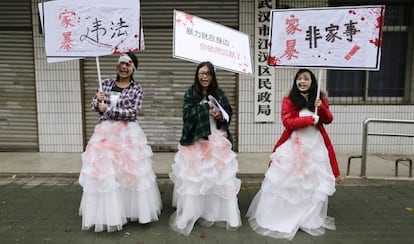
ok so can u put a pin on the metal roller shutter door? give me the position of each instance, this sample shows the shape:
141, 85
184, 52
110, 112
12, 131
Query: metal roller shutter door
164, 78
18, 118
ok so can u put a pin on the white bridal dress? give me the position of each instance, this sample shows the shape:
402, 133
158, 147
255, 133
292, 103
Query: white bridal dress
294, 193
117, 178
205, 184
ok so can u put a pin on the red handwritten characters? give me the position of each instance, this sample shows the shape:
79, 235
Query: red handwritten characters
228, 53
66, 18
351, 53
292, 25
67, 42
290, 49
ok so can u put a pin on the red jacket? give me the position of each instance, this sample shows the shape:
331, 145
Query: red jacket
292, 121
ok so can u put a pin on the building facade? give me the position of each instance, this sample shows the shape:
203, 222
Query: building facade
45, 107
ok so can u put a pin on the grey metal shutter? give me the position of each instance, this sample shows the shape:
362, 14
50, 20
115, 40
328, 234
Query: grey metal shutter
18, 126
164, 79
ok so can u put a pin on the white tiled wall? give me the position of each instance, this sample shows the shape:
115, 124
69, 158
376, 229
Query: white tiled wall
58, 94
59, 106
345, 131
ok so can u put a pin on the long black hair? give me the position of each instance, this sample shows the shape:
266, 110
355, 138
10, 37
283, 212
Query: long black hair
212, 88
298, 99
135, 61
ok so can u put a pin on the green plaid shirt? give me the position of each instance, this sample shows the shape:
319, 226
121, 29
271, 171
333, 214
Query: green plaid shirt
196, 118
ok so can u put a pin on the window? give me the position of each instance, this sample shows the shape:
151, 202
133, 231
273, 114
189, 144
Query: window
389, 85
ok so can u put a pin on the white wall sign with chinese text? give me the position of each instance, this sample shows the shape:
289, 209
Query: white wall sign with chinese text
336, 37
197, 40
264, 79
91, 28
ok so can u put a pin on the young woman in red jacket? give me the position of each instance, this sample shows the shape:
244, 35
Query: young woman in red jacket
303, 168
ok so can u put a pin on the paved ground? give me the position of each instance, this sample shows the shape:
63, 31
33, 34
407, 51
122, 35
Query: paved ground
45, 210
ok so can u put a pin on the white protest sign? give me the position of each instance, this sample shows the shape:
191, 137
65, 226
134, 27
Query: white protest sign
76, 29
337, 37
196, 40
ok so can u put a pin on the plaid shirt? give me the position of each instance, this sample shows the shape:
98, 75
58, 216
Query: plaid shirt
127, 106
196, 118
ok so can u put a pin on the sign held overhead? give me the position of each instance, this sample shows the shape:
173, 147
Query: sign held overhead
335, 37
197, 40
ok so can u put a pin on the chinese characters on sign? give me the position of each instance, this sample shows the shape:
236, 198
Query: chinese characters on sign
264, 104
90, 30
197, 40
97, 31
341, 37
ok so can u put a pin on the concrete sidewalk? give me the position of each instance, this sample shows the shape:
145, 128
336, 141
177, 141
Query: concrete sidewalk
45, 210
40, 196
250, 165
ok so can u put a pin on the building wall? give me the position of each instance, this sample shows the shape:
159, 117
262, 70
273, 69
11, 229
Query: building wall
59, 106
347, 127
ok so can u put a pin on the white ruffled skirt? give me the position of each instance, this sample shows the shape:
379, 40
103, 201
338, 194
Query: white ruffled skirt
205, 185
117, 178
294, 193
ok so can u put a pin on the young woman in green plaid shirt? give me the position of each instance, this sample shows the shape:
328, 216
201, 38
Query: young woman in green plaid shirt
204, 171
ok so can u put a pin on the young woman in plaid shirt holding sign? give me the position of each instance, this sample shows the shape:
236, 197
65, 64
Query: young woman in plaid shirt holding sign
117, 177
